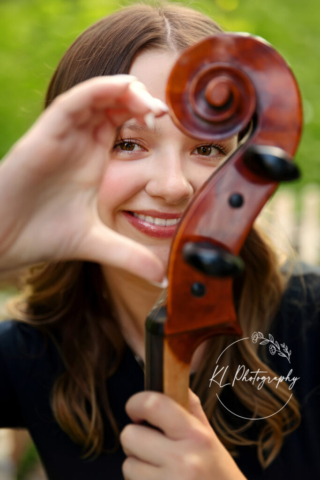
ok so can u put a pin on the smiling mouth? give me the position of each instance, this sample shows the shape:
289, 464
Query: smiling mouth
153, 226
156, 220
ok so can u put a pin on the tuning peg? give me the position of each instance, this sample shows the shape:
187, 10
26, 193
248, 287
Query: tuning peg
212, 260
271, 163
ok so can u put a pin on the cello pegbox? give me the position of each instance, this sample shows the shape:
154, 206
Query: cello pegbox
212, 260
271, 163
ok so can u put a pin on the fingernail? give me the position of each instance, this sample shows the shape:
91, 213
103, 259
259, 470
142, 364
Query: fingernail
150, 102
149, 120
122, 78
164, 107
163, 284
156, 105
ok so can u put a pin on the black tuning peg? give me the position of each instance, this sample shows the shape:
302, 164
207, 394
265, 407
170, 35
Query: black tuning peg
212, 260
271, 163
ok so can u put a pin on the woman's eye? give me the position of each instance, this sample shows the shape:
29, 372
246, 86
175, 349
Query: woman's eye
204, 150
127, 146
210, 150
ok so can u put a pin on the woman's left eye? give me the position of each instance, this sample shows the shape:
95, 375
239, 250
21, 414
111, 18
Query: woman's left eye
127, 146
210, 150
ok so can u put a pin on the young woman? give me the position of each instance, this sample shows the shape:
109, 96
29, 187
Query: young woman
88, 202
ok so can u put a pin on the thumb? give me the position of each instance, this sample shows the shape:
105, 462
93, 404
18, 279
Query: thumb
103, 245
195, 408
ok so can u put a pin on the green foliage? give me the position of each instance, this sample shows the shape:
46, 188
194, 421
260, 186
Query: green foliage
35, 34
28, 463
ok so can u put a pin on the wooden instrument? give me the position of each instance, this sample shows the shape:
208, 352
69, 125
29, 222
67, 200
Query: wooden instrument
216, 89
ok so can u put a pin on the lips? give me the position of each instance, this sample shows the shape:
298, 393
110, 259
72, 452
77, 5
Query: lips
150, 229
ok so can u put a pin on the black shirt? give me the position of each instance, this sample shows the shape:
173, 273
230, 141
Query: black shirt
29, 366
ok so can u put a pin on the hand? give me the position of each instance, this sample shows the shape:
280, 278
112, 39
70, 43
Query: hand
49, 180
186, 449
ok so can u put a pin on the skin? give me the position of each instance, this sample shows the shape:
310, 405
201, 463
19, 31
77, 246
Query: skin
162, 170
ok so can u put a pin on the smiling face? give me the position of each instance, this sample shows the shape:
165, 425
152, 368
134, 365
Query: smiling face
155, 173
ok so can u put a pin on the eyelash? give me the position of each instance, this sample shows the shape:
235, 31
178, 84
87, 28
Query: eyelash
218, 146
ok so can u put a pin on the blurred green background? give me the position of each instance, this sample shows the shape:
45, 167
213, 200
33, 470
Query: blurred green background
35, 34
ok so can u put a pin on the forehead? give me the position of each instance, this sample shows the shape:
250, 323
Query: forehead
153, 68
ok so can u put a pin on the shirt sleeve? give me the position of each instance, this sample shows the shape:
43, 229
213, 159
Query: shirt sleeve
10, 412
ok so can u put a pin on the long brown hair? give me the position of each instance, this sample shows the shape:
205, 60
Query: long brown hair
69, 300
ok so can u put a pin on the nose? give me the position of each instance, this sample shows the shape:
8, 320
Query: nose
169, 179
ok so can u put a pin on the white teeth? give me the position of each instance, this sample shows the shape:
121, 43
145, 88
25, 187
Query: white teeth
157, 221
172, 221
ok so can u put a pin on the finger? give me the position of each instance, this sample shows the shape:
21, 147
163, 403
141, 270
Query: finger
97, 94
119, 117
145, 443
162, 412
195, 408
138, 104
134, 469
81, 101
103, 245
137, 92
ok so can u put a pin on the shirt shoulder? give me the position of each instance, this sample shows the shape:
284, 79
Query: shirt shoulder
295, 332
299, 312
17, 333
27, 352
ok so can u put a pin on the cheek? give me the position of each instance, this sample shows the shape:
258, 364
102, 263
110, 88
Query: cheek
200, 176
120, 183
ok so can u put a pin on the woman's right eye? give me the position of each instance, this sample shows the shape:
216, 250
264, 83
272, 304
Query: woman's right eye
127, 146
